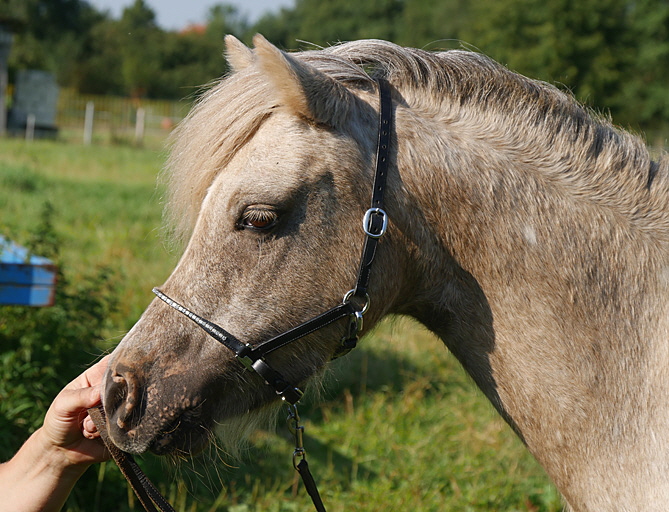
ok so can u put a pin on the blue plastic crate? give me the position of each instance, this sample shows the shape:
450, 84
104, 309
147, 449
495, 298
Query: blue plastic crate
25, 280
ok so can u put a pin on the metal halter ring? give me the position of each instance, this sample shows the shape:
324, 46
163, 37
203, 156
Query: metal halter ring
350, 294
367, 224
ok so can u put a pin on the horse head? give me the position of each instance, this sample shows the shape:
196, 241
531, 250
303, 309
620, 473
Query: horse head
271, 175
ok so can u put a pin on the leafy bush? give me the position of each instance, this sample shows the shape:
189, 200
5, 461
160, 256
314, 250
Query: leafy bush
42, 349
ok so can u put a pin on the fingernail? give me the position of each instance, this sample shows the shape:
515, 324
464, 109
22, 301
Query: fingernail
89, 426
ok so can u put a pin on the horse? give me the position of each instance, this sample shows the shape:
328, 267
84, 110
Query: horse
525, 230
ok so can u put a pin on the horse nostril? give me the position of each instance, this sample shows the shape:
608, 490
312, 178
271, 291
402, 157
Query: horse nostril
123, 398
129, 383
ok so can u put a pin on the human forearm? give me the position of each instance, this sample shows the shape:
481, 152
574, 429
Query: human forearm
42, 473
39, 477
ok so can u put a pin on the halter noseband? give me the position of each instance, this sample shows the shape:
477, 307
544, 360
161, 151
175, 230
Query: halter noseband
374, 225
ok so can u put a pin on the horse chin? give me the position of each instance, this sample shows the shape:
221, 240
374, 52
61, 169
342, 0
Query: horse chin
180, 441
186, 438
229, 436
233, 433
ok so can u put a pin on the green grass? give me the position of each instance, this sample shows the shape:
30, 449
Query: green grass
400, 425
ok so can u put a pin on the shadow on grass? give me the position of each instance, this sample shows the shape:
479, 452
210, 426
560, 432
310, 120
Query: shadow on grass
371, 368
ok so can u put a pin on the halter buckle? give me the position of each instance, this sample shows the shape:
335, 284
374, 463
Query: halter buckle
355, 323
354, 328
367, 222
350, 340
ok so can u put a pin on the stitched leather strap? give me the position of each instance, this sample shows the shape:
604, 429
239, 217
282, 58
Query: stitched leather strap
310, 485
147, 493
316, 323
376, 218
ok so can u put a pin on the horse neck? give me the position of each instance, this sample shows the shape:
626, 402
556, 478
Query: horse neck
554, 301
510, 208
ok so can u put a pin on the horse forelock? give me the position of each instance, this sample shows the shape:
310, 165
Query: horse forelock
464, 84
220, 122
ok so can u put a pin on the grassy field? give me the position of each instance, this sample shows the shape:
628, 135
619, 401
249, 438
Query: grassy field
400, 427
106, 208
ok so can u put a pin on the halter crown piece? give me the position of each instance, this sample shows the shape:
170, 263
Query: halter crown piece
353, 306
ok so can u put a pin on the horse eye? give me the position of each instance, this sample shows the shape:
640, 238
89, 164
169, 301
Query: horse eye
258, 219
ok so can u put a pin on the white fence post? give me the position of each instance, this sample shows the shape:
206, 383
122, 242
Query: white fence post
30, 127
139, 126
3, 108
88, 123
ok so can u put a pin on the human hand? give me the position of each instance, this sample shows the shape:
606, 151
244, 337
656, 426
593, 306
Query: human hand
67, 425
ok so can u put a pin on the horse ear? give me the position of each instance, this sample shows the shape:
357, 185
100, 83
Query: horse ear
303, 88
239, 56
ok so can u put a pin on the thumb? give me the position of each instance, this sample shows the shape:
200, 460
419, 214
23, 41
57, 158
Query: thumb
91, 397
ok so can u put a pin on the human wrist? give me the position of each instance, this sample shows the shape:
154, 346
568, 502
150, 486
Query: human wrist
55, 460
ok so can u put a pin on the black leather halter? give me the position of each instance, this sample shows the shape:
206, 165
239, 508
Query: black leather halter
355, 302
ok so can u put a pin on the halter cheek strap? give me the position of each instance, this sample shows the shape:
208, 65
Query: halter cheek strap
375, 223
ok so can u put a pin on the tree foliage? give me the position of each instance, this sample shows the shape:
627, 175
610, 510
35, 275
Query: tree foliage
578, 43
644, 91
613, 54
132, 56
327, 22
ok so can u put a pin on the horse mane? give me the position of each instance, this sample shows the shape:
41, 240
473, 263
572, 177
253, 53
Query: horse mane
590, 155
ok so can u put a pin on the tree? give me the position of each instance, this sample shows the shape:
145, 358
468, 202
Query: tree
50, 34
139, 43
278, 28
613, 54
194, 56
643, 98
225, 19
98, 69
579, 43
433, 23
326, 22
189, 59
